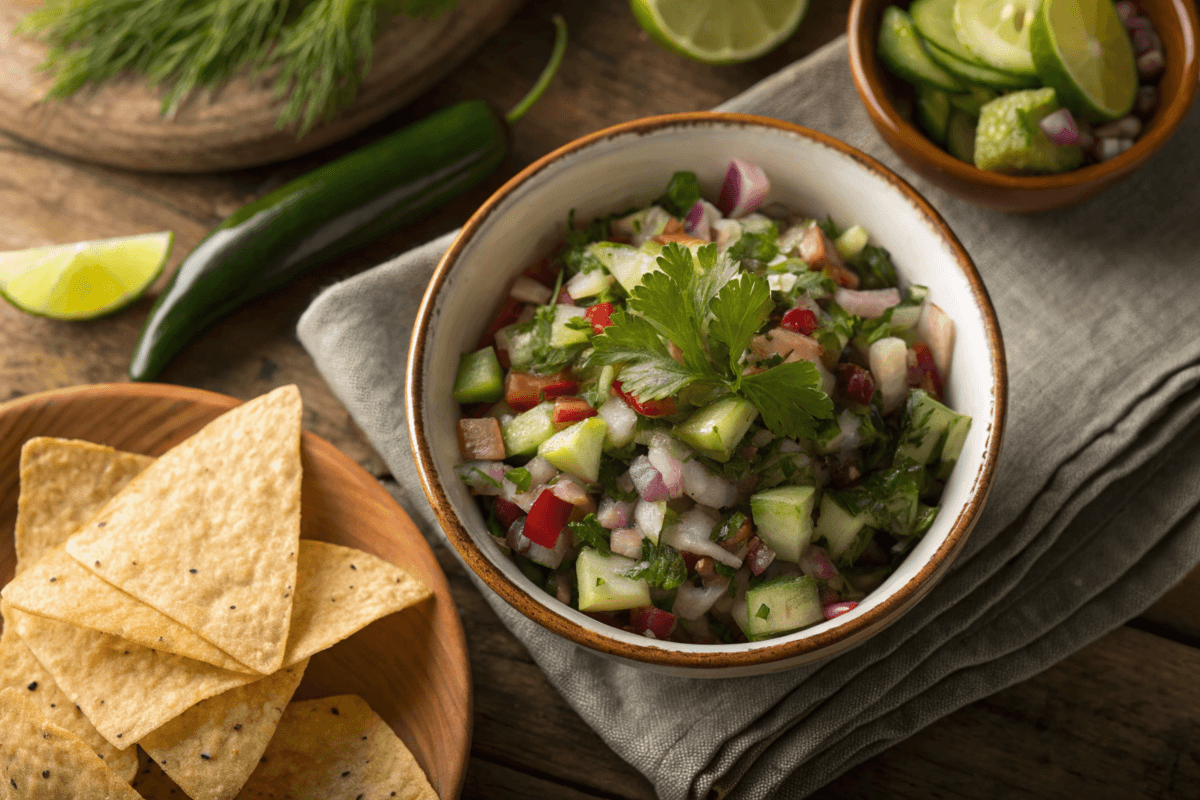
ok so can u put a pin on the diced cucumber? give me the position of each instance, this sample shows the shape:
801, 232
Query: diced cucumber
933, 112
956, 436
845, 533
759, 223
852, 241
577, 449
603, 585
973, 100
783, 519
715, 430
782, 605
926, 422
526, 432
480, 378
588, 284
960, 136
560, 334
901, 51
518, 344
625, 263
642, 225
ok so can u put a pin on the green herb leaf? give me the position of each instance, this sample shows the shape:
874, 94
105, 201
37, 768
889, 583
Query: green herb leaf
591, 533
611, 471
728, 527
661, 566
874, 268
683, 191
520, 478
789, 397
754, 246
763, 612
829, 228
739, 310
487, 478
649, 373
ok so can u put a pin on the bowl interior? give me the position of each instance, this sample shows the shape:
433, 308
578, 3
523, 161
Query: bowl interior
630, 168
411, 667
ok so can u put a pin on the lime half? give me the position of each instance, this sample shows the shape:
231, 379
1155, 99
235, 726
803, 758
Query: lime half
83, 280
719, 31
997, 31
1082, 50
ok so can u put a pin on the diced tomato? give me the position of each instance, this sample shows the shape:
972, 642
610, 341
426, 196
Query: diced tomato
569, 410
683, 239
674, 225
480, 439
856, 383
600, 315
523, 391
543, 272
931, 381
837, 609
655, 620
647, 408
507, 512
564, 298
508, 314
547, 518
800, 320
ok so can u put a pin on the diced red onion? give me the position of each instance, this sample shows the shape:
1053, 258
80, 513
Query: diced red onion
696, 222
1144, 41
693, 602
936, 329
850, 425
837, 609
648, 480
614, 514
1150, 64
1127, 127
816, 564
540, 471
1126, 11
649, 516
652, 622
745, 188
562, 587
829, 596
483, 477
867, 303
669, 468
691, 534
572, 492
1138, 23
527, 290
546, 556
706, 487
627, 542
1111, 148
759, 556
889, 367
1059, 127
621, 421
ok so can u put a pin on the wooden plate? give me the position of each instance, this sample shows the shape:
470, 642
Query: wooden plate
411, 667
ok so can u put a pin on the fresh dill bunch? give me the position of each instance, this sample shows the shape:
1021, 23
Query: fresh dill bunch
317, 50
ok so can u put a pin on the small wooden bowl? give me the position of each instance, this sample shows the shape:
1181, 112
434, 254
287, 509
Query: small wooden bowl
410, 667
1176, 23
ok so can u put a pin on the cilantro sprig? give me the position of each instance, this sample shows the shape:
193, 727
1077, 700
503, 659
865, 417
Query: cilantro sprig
710, 310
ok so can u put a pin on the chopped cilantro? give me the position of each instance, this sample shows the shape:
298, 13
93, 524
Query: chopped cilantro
874, 267
611, 471
728, 527
830, 228
494, 526
599, 581
574, 257
591, 533
763, 612
725, 570
520, 478
683, 191
545, 359
487, 478
661, 566
754, 246
721, 631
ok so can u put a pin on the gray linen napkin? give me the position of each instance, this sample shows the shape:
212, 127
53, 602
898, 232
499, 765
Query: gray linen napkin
1093, 514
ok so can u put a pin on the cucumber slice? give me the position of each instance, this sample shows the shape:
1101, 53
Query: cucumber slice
934, 20
782, 605
852, 242
560, 334
971, 72
845, 533
525, 432
480, 378
960, 136
783, 519
901, 51
588, 284
976, 98
933, 112
715, 430
603, 585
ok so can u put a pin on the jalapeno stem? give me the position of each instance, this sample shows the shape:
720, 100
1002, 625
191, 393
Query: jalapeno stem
556, 56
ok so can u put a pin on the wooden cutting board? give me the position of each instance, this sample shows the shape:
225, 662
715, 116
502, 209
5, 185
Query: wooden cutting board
119, 123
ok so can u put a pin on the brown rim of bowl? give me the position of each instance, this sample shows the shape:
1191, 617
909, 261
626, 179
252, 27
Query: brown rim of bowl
864, 67
188, 394
712, 657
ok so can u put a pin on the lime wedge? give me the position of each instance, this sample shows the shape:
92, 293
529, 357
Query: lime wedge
83, 280
1081, 49
997, 31
719, 31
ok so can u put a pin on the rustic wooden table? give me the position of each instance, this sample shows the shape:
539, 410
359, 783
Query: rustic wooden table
1116, 720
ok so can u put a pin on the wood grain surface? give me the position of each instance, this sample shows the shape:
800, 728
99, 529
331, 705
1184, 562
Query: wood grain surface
411, 667
1116, 720
121, 124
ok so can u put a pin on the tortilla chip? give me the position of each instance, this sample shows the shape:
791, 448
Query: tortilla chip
20, 670
64, 482
340, 590
211, 749
336, 747
57, 587
209, 533
124, 689
38, 759
154, 784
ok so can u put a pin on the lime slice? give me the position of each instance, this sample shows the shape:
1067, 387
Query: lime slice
719, 31
83, 280
1082, 50
997, 31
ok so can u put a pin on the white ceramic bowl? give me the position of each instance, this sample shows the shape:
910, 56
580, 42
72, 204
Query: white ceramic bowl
628, 165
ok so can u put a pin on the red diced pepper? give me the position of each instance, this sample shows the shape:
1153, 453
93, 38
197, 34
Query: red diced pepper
655, 620
569, 410
856, 382
547, 518
600, 315
509, 313
647, 408
800, 320
523, 391
506, 512
931, 381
